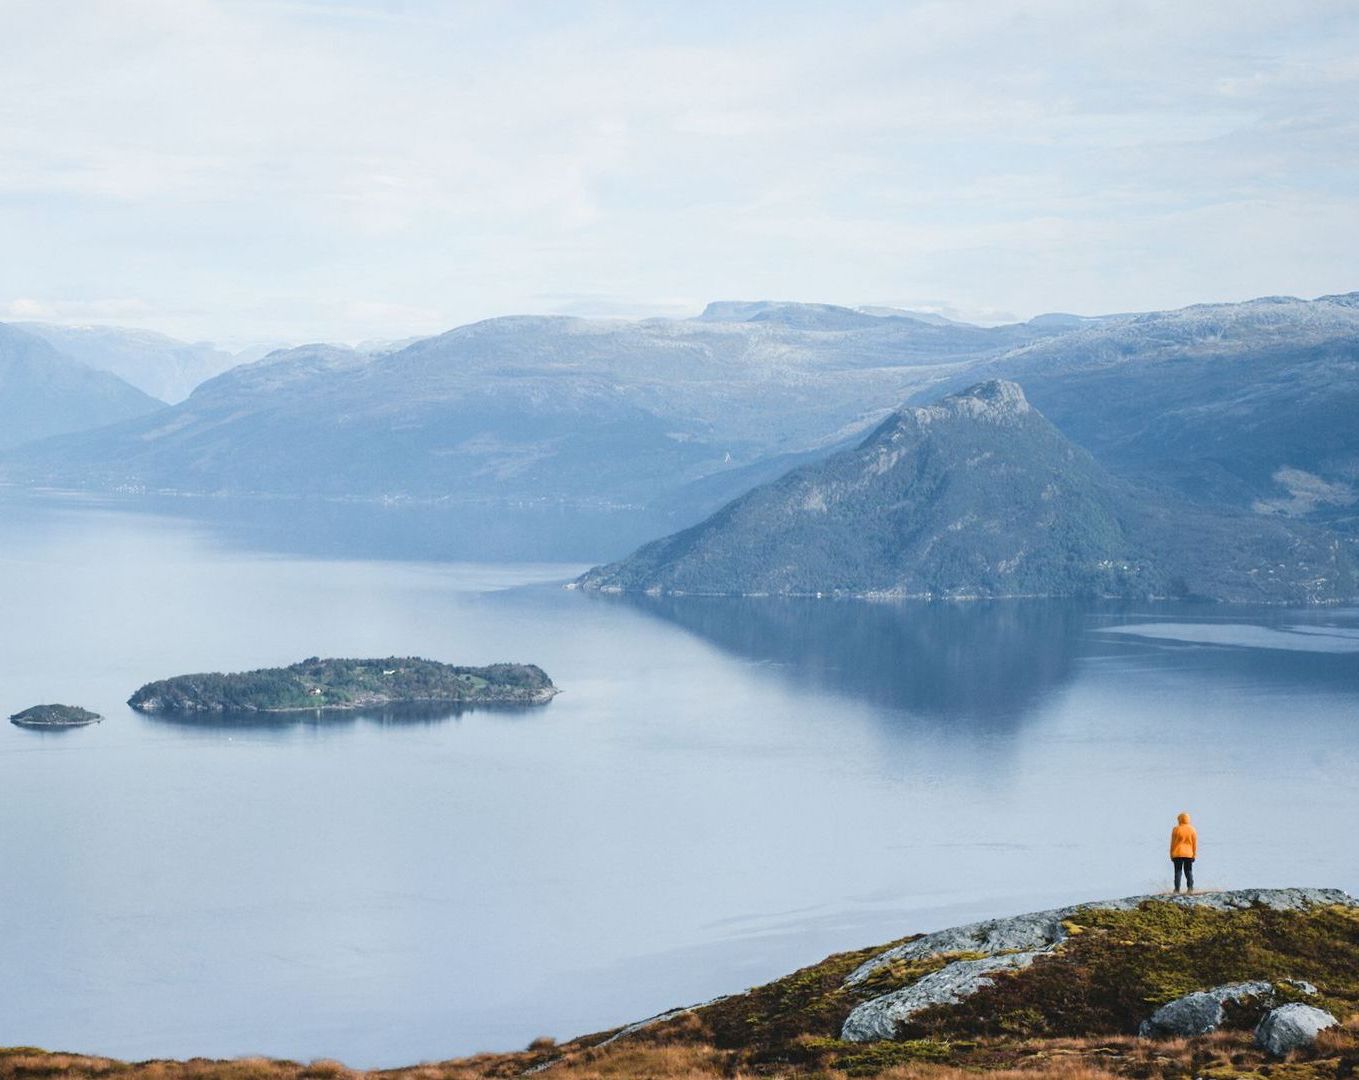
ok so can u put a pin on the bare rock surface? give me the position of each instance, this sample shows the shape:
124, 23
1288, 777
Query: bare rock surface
1201, 1012
881, 1017
1291, 1026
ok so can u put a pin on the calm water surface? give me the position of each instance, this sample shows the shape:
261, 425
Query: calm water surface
723, 791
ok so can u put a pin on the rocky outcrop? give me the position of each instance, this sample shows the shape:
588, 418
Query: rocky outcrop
1014, 943
1043, 929
1201, 1012
1290, 1027
883, 1016
1036, 931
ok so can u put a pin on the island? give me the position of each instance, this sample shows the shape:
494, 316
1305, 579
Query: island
346, 684
53, 716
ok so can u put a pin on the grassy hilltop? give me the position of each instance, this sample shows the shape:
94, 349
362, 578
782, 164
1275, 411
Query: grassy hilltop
1072, 1012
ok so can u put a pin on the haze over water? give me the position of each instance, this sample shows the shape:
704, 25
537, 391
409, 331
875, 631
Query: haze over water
724, 790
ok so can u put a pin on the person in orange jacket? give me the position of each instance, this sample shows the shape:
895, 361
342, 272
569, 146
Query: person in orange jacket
1184, 849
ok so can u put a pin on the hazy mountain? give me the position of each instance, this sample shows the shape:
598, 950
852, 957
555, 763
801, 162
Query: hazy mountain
1063, 321
1252, 405
931, 317
161, 366
1245, 405
977, 495
534, 409
831, 317
43, 392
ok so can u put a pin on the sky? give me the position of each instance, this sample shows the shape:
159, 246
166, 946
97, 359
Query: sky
293, 170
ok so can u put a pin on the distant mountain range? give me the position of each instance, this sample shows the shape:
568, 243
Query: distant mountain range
1254, 405
45, 393
979, 496
160, 366
1247, 407
682, 413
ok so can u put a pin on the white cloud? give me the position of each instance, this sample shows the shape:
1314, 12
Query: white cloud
397, 167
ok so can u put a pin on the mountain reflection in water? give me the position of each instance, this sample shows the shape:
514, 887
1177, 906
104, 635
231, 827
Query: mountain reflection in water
992, 661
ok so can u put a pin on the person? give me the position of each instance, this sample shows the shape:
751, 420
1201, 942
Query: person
1184, 849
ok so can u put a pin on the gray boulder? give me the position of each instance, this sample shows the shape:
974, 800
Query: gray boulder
1291, 1026
1201, 1012
881, 1017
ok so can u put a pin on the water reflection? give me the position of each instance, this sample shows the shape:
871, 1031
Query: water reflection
410, 715
56, 730
950, 661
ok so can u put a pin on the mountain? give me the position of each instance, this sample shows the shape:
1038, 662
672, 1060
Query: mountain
43, 392
538, 410
1064, 321
1251, 405
977, 495
933, 318
1247, 406
1220, 984
157, 365
810, 316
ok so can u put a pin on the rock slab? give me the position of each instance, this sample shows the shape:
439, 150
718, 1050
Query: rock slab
1201, 1012
881, 1017
1291, 1026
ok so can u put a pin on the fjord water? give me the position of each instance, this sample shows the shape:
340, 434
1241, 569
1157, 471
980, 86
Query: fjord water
724, 790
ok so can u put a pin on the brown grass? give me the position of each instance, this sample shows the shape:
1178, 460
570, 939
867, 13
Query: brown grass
1225, 1055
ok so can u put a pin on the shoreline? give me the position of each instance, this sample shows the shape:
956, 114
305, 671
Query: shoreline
536, 697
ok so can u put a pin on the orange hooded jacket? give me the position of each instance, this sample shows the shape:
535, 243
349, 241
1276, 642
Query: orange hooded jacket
1184, 840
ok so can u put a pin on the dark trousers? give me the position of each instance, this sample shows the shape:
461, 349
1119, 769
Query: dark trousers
1184, 867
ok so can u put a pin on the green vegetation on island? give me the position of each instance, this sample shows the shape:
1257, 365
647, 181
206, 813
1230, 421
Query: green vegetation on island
55, 716
346, 684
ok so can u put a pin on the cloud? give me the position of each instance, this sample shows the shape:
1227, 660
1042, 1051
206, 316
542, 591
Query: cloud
375, 162
98, 310
600, 306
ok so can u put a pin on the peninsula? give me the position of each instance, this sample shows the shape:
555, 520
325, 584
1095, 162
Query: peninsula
49, 716
346, 684
980, 496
